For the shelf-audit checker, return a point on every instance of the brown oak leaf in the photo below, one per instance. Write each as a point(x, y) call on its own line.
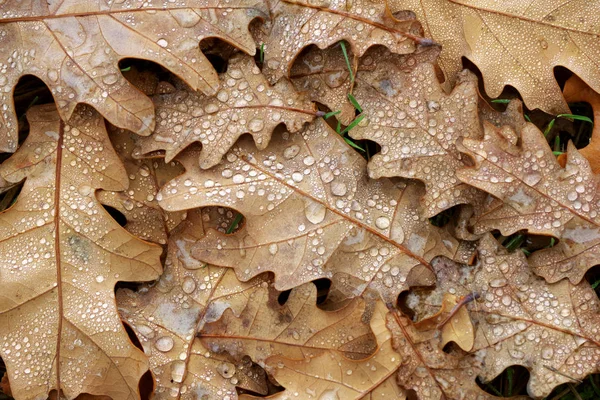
point(311, 212)
point(62, 255)
point(75, 47)
point(417, 126)
point(167, 317)
point(516, 43)
point(538, 195)
point(245, 103)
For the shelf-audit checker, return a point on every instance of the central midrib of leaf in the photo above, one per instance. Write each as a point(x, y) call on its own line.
point(57, 189)
point(36, 18)
point(342, 215)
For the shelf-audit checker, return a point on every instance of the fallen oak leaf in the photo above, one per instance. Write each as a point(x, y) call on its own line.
point(145, 219)
point(515, 43)
point(324, 74)
point(549, 328)
point(297, 24)
point(245, 103)
point(538, 195)
point(63, 255)
point(417, 126)
point(311, 351)
point(75, 49)
point(167, 317)
point(312, 213)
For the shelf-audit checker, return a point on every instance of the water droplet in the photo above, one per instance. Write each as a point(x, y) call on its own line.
point(338, 188)
point(178, 371)
point(532, 178)
point(315, 212)
point(382, 222)
point(188, 285)
point(164, 343)
point(273, 248)
point(256, 125)
point(162, 43)
point(226, 370)
point(291, 152)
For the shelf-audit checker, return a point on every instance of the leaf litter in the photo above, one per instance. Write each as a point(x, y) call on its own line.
point(240, 200)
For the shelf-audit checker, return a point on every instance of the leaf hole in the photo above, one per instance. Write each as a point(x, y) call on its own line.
point(593, 277)
point(283, 297)
point(10, 195)
point(442, 219)
point(29, 91)
point(145, 75)
point(323, 285)
point(146, 386)
point(527, 243)
point(218, 52)
point(511, 382)
point(116, 214)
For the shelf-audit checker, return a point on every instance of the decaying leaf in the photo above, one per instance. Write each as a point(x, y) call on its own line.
point(417, 126)
point(540, 196)
point(576, 90)
point(245, 103)
point(145, 219)
point(325, 76)
point(311, 212)
point(311, 351)
point(516, 43)
point(167, 317)
point(428, 370)
point(297, 24)
point(75, 47)
point(549, 328)
point(62, 255)
point(453, 321)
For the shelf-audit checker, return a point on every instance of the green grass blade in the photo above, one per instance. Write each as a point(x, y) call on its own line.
point(577, 117)
point(331, 114)
point(343, 45)
point(515, 242)
point(549, 127)
point(501, 101)
point(234, 223)
point(527, 118)
point(557, 153)
point(126, 69)
point(351, 143)
point(355, 103)
point(353, 124)
point(262, 53)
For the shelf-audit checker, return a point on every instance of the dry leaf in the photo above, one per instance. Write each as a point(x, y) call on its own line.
point(417, 126)
point(167, 317)
point(550, 329)
point(145, 219)
point(325, 76)
point(75, 47)
point(245, 103)
point(453, 321)
point(540, 196)
point(317, 353)
point(576, 90)
point(297, 24)
point(312, 213)
point(516, 43)
point(62, 256)
point(429, 371)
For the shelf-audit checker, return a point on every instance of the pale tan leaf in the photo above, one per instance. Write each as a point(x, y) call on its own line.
point(297, 24)
point(62, 255)
point(516, 43)
point(540, 196)
point(428, 370)
point(549, 328)
point(417, 126)
point(145, 219)
point(317, 353)
point(167, 317)
point(311, 212)
point(245, 103)
point(75, 47)
point(325, 76)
